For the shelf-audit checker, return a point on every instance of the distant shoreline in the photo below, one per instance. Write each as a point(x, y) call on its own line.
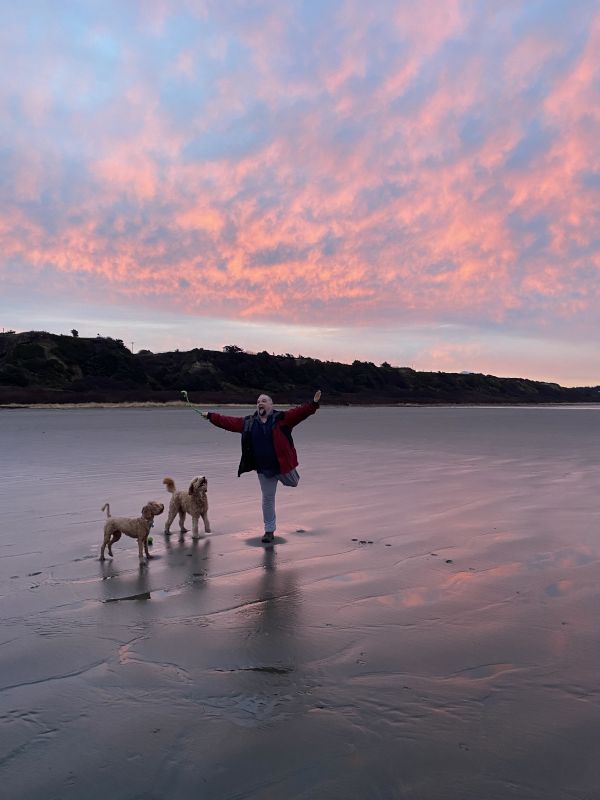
point(177, 404)
point(140, 404)
point(44, 370)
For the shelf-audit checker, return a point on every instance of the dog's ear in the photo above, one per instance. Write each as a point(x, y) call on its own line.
point(147, 511)
point(192, 486)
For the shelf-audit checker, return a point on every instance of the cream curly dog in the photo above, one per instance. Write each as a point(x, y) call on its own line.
point(193, 502)
point(136, 527)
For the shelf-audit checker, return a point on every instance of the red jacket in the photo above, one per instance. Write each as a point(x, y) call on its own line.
point(283, 443)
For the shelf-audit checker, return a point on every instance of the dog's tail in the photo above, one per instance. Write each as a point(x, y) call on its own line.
point(107, 507)
point(170, 484)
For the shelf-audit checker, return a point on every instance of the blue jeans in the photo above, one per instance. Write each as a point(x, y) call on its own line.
point(268, 487)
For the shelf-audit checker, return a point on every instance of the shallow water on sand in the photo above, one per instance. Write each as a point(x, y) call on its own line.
point(425, 626)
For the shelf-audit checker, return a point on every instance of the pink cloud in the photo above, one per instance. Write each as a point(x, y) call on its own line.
point(435, 184)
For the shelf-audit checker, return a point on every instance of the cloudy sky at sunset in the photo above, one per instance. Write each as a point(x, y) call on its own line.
point(416, 182)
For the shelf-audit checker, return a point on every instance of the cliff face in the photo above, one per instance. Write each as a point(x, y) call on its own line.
point(43, 360)
point(38, 367)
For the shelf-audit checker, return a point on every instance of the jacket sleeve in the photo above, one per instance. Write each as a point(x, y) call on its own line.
point(234, 424)
point(295, 415)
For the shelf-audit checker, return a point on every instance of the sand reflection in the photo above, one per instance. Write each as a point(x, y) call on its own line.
point(274, 615)
point(117, 585)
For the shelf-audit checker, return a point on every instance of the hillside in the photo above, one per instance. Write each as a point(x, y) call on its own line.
point(39, 367)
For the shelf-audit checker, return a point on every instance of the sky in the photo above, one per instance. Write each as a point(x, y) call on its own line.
point(410, 182)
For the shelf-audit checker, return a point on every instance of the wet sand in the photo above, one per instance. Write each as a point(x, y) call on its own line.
point(425, 626)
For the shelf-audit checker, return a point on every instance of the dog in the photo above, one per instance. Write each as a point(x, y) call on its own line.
point(193, 502)
point(136, 527)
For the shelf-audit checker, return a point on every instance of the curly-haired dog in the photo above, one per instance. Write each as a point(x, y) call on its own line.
point(193, 502)
point(136, 527)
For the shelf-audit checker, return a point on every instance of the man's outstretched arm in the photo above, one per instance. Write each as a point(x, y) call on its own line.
point(234, 424)
point(295, 415)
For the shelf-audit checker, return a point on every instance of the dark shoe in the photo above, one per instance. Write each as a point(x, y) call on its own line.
point(268, 537)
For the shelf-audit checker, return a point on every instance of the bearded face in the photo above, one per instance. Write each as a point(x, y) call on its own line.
point(264, 406)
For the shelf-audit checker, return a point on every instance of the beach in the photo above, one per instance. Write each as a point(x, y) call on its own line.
point(425, 625)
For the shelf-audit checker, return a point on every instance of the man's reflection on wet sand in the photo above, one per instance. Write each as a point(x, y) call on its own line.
point(273, 617)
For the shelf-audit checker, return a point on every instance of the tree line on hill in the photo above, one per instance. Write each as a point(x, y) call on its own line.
point(40, 367)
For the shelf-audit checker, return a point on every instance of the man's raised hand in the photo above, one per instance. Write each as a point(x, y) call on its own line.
point(317, 396)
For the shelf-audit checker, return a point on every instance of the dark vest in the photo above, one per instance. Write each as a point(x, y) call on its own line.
point(248, 461)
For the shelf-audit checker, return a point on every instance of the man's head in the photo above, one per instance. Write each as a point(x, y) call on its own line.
point(264, 405)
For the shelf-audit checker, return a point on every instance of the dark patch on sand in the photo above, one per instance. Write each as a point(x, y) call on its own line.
point(259, 543)
point(269, 669)
point(140, 596)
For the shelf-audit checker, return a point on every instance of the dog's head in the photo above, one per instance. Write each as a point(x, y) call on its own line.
point(199, 485)
point(152, 509)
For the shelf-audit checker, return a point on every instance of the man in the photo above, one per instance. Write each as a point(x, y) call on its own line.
point(268, 448)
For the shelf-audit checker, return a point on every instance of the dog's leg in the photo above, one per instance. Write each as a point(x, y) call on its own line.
point(114, 536)
point(206, 522)
point(106, 542)
point(141, 549)
point(195, 534)
point(170, 518)
point(146, 547)
point(182, 527)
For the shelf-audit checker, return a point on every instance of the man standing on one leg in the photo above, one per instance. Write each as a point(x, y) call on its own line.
point(268, 448)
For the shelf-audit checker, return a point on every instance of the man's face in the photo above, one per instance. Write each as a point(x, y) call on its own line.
point(264, 405)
